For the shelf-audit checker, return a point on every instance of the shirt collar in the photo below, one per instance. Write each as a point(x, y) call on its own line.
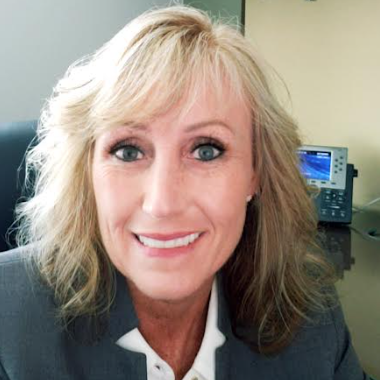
point(213, 338)
point(204, 362)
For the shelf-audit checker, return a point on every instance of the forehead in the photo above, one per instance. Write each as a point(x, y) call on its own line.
point(210, 103)
point(196, 101)
point(225, 115)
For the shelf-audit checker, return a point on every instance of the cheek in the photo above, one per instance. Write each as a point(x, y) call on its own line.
point(113, 200)
point(226, 209)
point(226, 198)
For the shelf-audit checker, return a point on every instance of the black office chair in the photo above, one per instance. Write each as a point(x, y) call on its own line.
point(14, 141)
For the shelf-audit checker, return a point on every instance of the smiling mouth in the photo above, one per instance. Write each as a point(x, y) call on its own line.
point(167, 244)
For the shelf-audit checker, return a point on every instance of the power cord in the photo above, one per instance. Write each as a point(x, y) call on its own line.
point(371, 234)
point(357, 210)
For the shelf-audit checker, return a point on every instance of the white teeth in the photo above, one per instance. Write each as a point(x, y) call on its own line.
point(181, 242)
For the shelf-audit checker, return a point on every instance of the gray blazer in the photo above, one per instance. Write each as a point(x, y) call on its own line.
point(34, 347)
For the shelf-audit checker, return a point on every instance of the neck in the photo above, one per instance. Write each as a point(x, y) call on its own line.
point(174, 329)
point(172, 316)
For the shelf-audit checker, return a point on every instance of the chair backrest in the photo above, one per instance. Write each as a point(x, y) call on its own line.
point(14, 140)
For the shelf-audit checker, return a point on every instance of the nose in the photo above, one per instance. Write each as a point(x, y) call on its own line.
point(164, 195)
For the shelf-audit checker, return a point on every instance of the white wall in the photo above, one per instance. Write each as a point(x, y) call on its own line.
point(39, 39)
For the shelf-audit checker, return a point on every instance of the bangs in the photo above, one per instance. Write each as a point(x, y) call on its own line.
point(159, 71)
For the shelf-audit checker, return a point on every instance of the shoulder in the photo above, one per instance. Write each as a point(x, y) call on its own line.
point(321, 348)
point(20, 281)
point(12, 256)
point(325, 344)
point(320, 329)
point(16, 272)
point(25, 301)
point(13, 268)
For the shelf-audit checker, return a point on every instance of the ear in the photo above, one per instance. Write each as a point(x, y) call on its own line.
point(254, 184)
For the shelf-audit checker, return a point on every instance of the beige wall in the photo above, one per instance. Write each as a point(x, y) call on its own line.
point(328, 53)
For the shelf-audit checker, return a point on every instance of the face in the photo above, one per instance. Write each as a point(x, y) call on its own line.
point(160, 185)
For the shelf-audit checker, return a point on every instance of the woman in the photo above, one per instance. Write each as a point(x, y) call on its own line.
point(170, 235)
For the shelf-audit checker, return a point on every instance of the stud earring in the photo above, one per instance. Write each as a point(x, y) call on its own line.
point(249, 198)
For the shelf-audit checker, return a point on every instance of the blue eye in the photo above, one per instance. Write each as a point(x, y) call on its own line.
point(208, 149)
point(128, 153)
point(208, 152)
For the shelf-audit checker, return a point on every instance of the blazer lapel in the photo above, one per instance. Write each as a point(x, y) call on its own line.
point(234, 359)
point(105, 359)
point(222, 354)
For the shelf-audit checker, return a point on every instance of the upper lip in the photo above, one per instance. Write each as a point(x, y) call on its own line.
point(160, 236)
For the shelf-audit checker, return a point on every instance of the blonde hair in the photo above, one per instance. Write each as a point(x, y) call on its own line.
point(275, 275)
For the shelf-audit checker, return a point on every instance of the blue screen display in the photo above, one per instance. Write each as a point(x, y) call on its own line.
point(315, 165)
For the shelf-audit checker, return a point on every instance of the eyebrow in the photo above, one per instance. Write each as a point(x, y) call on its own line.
point(189, 128)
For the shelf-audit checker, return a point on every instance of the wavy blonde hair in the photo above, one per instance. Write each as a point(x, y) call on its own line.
point(276, 274)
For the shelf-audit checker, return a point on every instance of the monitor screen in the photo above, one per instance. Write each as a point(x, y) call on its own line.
point(315, 164)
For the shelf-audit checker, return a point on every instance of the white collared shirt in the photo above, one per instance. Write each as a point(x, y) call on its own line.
point(203, 367)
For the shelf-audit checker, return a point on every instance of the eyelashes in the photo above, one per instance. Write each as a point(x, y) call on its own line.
point(205, 153)
point(122, 146)
point(130, 150)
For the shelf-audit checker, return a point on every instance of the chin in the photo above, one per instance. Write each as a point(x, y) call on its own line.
point(169, 289)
